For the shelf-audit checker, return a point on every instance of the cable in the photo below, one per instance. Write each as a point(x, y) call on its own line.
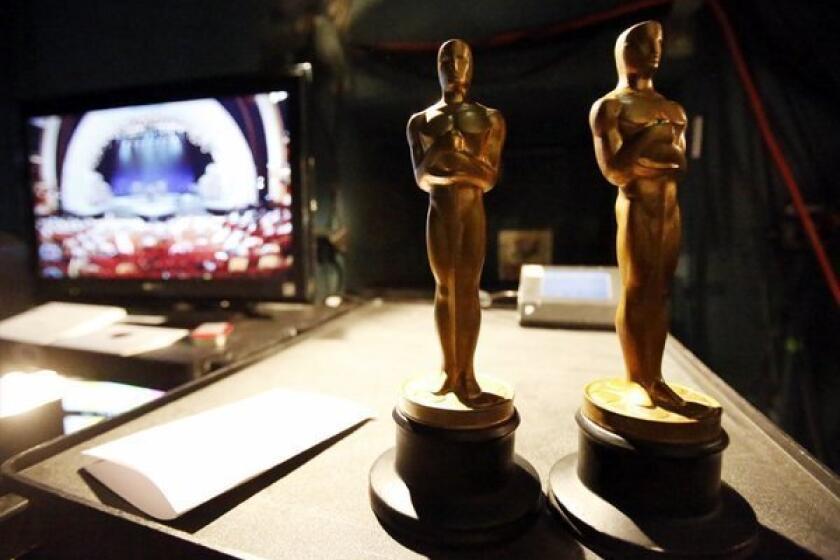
point(776, 153)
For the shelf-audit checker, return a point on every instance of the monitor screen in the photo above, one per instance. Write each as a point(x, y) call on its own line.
point(198, 190)
point(577, 285)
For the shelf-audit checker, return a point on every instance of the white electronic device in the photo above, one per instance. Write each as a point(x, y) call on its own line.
point(575, 296)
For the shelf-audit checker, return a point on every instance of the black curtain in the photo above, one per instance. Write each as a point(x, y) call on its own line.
point(754, 302)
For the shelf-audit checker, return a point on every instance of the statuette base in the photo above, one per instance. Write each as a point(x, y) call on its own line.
point(454, 487)
point(624, 407)
point(421, 402)
point(628, 499)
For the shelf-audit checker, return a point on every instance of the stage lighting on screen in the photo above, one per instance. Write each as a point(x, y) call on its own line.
point(195, 190)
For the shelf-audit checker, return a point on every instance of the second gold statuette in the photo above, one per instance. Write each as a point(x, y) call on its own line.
point(646, 480)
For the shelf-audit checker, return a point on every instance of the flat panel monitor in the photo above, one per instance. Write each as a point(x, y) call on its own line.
point(197, 193)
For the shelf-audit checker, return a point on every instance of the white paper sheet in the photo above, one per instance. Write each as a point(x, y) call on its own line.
point(124, 340)
point(53, 321)
point(167, 470)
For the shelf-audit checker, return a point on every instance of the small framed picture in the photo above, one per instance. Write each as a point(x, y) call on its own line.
point(523, 246)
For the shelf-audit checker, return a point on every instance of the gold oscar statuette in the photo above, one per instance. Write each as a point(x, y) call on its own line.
point(646, 480)
point(453, 477)
point(639, 138)
point(456, 147)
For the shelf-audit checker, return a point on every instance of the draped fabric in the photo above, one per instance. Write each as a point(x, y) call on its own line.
point(792, 55)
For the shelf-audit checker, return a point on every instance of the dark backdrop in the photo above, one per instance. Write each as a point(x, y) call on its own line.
point(748, 299)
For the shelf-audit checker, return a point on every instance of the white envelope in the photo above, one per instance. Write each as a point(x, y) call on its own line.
point(169, 469)
point(124, 339)
point(53, 321)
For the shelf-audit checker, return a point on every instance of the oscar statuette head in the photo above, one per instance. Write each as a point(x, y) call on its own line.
point(455, 69)
point(638, 51)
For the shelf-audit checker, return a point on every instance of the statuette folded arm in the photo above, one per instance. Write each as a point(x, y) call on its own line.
point(620, 158)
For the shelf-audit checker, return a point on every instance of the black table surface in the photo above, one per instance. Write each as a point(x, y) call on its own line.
point(316, 506)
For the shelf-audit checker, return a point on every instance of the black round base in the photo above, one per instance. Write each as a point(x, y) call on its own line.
point(630, 500)
point(480, 518)
point(729, 531)
point(416, 500)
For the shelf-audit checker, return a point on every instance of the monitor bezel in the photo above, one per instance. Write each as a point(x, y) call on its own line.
point(297, 81)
